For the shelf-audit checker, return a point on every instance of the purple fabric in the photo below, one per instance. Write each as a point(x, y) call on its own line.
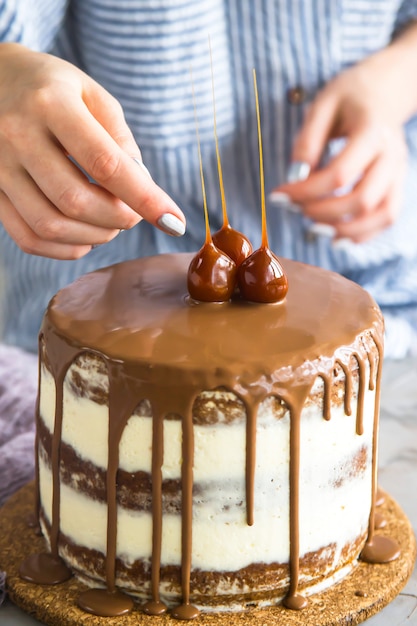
point(18, 388)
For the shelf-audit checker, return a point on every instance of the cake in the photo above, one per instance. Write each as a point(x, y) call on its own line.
point(206, 456)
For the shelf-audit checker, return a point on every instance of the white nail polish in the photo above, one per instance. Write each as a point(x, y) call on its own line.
point(171, 224)
point(277, 197)
point(324, 230)
point(284, 201)
point(298, 171)
point(142, 165)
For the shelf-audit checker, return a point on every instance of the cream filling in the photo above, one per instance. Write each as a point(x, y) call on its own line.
point(226, 546)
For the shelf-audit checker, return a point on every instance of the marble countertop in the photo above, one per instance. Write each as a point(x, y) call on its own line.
point(397, 476)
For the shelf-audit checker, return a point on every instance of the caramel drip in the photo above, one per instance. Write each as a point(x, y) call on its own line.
point(105, 603)
point(155, 606)
point(56, 484)
point(49, 568)
point(371, 527)
point(291, 599)
point(348, 387)
point(372, 372)
point(377, 549)
point(185, 610)
point(361, 394)
point(327, 383)
point(121, 407)
point(37, 419)
point(187, 504)
point(250, 464)
point(109, 602)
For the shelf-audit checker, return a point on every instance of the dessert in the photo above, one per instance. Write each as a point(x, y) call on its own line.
point(207, 456)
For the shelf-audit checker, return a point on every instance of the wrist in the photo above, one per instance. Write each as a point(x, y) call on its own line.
point(396, 65)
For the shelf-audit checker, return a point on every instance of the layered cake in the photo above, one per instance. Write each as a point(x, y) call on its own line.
point(207, 456)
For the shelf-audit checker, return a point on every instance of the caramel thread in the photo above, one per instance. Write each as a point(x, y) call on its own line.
point(200, 161)
point(216, 139)
point(265, 243)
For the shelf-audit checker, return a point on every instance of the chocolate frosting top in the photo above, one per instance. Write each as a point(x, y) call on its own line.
point(140, 311)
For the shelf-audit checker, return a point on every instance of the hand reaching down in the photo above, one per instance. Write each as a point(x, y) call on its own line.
point(50, 110)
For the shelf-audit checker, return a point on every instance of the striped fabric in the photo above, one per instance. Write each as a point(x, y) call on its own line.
point(142, 52)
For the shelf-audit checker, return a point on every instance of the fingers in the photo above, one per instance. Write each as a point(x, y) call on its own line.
point(343, 170)
point(65, 187)
point(311, 140)
point(358, 192)
point(363, 198)
point(85, 139)
point(29, 242)
point(367, 225)
point(48, 222)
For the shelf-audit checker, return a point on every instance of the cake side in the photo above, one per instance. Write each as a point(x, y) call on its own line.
point(245, 564)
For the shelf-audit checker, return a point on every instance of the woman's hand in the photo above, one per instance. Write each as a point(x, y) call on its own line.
point(50, 110)
point(367, 105)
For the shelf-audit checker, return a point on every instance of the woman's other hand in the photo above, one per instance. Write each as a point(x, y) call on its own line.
point(358, 192)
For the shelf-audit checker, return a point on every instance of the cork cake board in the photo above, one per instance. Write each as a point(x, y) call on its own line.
point(356, 598)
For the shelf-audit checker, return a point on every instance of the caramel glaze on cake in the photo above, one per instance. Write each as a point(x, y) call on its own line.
point(170, 360)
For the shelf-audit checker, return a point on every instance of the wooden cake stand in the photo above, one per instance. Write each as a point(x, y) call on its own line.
point(361, 594)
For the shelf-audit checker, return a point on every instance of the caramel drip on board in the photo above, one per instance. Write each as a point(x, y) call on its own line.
point(186, 610)
point(109, 602)
point(293, 599)
point(378, 549)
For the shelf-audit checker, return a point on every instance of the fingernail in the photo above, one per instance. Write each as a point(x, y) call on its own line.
point(322, 229)
point(171, 224)
point(277, 197)
point(142, 165)
point(284, 201)
point(298, 171)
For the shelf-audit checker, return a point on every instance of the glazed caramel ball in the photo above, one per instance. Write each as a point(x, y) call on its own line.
point(233, 243)
point(261, 277)
point(211, 275)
